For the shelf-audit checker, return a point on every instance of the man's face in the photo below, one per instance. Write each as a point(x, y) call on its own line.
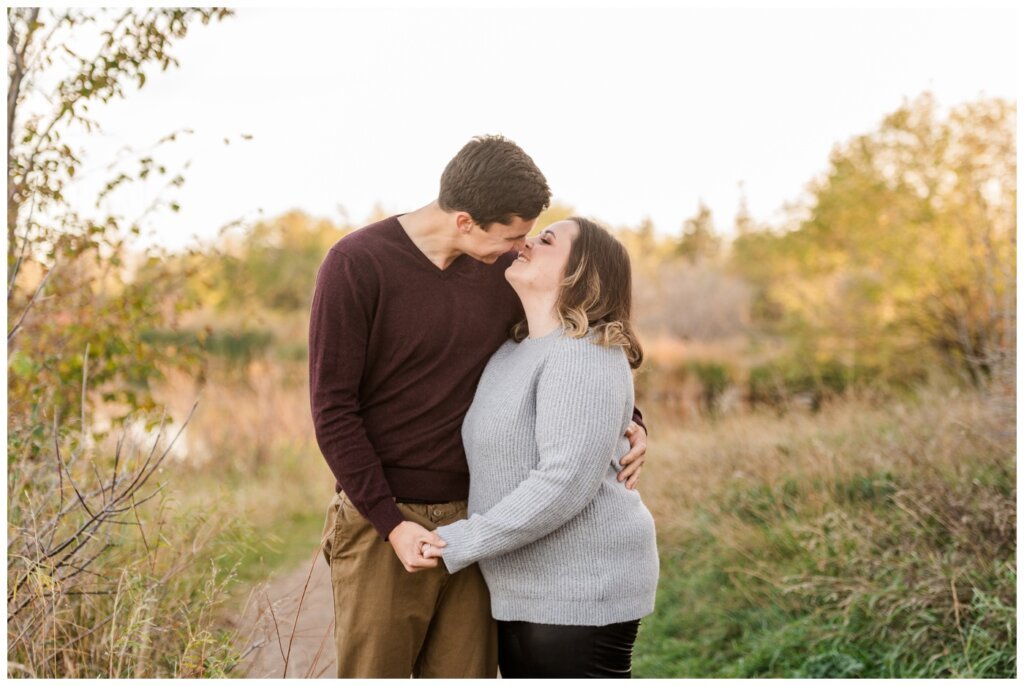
point(488, 246)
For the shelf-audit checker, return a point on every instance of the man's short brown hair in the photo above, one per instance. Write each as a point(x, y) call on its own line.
point(493, 180)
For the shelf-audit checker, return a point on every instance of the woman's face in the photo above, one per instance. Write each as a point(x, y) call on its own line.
point(540, 266)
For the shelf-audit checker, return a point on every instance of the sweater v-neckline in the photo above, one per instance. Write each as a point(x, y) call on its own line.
point(422, 257)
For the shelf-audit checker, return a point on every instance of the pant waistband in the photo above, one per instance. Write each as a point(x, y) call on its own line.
point(415, 501)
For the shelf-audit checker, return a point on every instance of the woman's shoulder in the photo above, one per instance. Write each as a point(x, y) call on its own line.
point(579, 368)
point(586, 351)
point(503, 351)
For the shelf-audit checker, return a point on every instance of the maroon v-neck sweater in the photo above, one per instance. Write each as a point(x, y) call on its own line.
point(396, 347)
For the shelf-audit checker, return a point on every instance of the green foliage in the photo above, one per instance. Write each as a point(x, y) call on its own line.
point(714, 378)
point(75, 303)
point(778, 381)
point(699, 240)
point(240, 347)
point(905, 572)
point(271, 267)
point(907, 245)
point(95, 587)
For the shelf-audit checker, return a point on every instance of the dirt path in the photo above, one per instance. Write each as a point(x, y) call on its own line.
point(268, 621)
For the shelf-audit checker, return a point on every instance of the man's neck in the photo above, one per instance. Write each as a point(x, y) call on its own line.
point(430, 228)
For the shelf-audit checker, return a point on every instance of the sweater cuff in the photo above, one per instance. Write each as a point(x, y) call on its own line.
point(456, 553)
point(384, 517)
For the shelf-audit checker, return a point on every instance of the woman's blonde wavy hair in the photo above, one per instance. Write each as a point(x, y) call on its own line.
point(597, 292)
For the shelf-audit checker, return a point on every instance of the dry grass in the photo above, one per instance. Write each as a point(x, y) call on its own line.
point(106, 577)
point(234, 501)
point(946, 435)
point(895, 521)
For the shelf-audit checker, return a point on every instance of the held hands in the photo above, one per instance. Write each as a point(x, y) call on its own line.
point(431, 550)
point(408, 539)
point(635, 458)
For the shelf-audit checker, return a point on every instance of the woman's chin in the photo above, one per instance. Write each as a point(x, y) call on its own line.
point(512, 272)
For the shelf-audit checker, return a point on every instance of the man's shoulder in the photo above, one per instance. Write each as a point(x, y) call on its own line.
point(367, 240)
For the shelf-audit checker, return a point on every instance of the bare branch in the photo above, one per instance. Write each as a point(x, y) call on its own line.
point(28, 306)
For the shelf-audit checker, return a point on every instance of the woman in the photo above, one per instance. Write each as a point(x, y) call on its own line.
point(569, 555)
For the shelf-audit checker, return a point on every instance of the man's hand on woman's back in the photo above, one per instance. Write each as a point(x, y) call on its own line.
point(635, 458)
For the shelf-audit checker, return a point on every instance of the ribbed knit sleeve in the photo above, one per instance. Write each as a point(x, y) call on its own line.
point(581, 396)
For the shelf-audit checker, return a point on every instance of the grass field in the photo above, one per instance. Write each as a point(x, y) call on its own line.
point(873, 538)
point(865, 541)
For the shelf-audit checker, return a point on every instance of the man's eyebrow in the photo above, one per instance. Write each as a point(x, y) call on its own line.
point(519, 238)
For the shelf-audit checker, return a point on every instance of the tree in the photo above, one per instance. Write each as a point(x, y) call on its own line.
point(908, 243)
point(69, 285)
point(273, 265)
point(77, 310)
point(743, 223)
point(699, 240)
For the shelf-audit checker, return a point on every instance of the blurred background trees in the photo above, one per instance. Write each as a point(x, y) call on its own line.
point(898, 265)
point(905, 258)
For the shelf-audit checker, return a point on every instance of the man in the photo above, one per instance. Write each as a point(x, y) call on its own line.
point(405, 315)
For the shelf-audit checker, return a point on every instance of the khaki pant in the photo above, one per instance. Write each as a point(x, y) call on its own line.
point(392, 623)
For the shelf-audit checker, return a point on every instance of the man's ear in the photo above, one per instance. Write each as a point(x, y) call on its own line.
point(464, 222)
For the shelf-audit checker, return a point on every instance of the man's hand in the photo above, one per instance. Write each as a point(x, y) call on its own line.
point(407, 539)
point(635, 458)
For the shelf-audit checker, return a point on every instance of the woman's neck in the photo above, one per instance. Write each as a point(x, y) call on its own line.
point(541, 317)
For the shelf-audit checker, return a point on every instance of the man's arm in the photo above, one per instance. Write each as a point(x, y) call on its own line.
point(339, 325)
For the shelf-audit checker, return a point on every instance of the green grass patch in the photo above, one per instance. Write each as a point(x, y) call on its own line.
point(261, 552)
point(868, 593)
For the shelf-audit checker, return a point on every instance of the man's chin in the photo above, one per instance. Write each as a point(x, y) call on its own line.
point(488, 259)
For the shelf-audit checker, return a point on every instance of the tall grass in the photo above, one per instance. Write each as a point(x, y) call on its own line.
point(866, 540)
point(873, 538)
point(152, 587)
point(106, 577)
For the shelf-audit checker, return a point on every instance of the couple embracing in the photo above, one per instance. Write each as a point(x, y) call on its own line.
point(472, 393)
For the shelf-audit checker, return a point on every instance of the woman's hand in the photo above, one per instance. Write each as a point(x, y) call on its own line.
point(432, 549)
point(407, 539)
point(635, 458)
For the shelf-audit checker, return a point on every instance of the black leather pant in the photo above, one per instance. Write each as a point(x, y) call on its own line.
point(528, 650)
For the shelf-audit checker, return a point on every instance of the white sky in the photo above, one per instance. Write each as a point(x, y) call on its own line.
point(629, 113)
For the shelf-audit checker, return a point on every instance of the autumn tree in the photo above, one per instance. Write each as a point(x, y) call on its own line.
point(699, 240)
point(908, 243)
point(76, 314)
point(73, 308)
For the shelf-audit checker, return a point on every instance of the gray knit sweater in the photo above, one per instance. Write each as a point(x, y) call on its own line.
point(558, 539)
